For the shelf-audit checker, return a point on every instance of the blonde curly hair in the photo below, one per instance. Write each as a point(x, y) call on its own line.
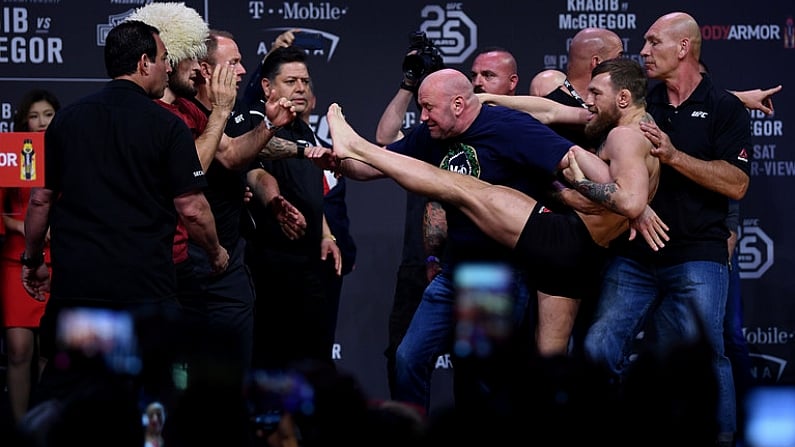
point(182, 30)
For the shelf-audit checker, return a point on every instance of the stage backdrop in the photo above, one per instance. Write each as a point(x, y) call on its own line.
point(58, 45)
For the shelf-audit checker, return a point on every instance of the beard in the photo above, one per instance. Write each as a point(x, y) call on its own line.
point(597, 128)
point(183, 89)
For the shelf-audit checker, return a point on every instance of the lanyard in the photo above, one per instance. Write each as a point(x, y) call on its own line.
point(574, 93)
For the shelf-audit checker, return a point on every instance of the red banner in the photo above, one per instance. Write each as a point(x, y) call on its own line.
point(22, 159)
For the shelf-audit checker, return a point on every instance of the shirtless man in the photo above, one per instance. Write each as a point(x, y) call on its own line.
point(622, 176)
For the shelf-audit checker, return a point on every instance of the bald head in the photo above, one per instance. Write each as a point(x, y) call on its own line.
point(449, 82)
point(672, 50)
point(681, 26)
point(591, 46)
point(448, 102)
point(504, 57)
point(494, 71)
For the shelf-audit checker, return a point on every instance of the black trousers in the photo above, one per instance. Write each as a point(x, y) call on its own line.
point(291, 311)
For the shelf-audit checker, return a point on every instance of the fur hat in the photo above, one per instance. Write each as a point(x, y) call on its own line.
point(182, 30)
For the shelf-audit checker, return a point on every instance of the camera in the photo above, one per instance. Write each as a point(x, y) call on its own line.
point(425, 61)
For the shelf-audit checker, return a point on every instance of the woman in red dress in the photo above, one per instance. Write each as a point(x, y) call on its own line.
point(21, 314)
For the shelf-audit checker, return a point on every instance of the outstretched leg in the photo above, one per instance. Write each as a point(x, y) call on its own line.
point(499, 211)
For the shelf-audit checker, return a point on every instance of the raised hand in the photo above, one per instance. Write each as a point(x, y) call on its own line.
point(223, 87)
point(279, 110)
point(758, 99)
point(285, 39)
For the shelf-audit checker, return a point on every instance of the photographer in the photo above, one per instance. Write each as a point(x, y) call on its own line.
point(422, 59)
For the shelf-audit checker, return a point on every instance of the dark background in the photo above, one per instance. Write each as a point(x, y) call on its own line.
point(360, 68)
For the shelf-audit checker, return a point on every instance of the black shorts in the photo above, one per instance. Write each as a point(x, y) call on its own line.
point(560, 256)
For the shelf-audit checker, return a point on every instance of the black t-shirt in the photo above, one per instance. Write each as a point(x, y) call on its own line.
point(503, 147)
point(301, 183)
point(115, 160)
point(226, 186)
point(711, 124)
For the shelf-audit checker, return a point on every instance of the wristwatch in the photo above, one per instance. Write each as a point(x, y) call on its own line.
point(273, 128)
point(300, 147)
point(31, 262)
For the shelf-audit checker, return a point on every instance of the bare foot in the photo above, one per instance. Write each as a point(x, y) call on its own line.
point(342, 134)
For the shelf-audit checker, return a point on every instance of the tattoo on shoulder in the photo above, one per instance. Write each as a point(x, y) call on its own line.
point(647, 119)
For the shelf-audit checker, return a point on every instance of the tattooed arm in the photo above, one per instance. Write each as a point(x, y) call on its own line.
point(434, 236)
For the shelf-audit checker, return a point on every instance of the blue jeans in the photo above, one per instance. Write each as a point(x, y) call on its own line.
point(734, 340)
point(431, 334)
point(685, 301)
point(733, 337)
